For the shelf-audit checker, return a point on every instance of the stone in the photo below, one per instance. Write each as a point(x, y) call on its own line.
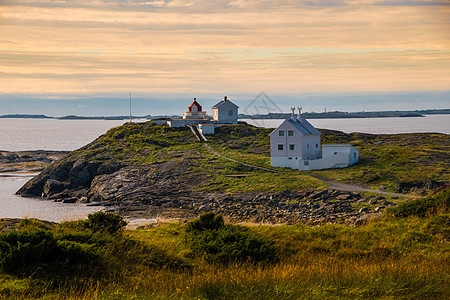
point(364, 210)
point(53, 186)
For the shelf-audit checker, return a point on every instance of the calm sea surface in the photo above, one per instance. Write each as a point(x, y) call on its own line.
point(12, 206)
point(43, 134)
point(429, 123)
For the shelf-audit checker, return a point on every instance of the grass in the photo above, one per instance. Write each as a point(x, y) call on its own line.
point(387, 258)
point(387, 161)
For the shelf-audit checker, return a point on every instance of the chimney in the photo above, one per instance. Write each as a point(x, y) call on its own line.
point(299, 116)
point(195, 99)
point(225, 98)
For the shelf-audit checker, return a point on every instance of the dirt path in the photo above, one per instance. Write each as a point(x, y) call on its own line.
point(334, 185)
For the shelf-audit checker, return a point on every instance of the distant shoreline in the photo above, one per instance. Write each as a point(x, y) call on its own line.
point(313, 115)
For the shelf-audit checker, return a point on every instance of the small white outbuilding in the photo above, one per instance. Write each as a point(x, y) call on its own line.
point(225, 112)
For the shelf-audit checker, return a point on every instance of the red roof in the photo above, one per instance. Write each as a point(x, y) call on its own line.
point(199, 107)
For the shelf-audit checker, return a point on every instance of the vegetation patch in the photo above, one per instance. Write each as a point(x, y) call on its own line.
point(209, 237)
point(421, 207)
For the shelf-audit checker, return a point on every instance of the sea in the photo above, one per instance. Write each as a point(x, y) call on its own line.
point(68, 135)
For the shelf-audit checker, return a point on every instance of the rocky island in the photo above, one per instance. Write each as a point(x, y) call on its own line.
point(148, 170)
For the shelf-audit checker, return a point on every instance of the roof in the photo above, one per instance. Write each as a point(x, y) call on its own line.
point(199, 107)
point(302, 125)
point(222, 102)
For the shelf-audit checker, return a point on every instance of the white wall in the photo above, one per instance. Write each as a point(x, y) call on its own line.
point(301, 149)
point(183, 122)
point(351, 152)
point(311, 147)
point(223, 116)
point(206, 128)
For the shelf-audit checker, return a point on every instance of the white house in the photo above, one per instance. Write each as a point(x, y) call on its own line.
point(296, 144)
point(225, 112)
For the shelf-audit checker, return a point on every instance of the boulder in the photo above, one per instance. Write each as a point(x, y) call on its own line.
point(53, 186)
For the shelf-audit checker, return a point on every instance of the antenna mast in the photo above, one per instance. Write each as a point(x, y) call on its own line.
point(130, 109)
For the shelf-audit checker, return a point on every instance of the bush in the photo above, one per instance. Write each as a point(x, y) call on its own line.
point(105, 223)
point(219, 243)
point(206, 221)
point(422, 207)
point(22, 248)
point(23, 252)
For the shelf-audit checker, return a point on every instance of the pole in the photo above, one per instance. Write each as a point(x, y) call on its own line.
point(130, 109)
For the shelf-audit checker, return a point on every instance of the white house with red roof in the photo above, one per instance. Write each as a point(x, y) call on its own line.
point(195, 112)
point(296, 144)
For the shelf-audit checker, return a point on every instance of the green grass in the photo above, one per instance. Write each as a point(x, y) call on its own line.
point(387, 258)
point(388, 160)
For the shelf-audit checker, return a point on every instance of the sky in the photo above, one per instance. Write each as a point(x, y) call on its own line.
point(84, 57)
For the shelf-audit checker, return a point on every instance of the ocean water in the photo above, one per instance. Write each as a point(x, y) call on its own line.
point(12, 206)
point(51, 134)
point(429, 123)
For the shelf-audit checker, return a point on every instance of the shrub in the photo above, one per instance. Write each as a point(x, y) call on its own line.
point(206, 221)
point(105, 223)
point(22, 248)
point(219, 243)
point(422, 207)
point(25, 251)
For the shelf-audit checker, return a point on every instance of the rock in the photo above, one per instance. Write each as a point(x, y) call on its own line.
point(53, 186)
point(364, 210)
point(205, 208)
point(70, 200)
point(373, 201)
point(83, 199)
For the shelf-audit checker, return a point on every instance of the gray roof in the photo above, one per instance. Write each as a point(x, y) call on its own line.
point(222, 102)
point(304, 126)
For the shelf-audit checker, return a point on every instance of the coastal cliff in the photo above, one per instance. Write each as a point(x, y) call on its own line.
point(147, 170)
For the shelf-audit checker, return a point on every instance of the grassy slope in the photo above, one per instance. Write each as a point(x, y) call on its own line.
point(385, 160)
point(388, 258)
point(147, 143)
point(388, 160)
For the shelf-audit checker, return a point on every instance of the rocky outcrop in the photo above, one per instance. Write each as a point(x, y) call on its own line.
point(27, 161)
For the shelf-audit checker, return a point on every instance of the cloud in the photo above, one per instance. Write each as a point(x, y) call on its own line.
point(240, 46)
point(411, 3)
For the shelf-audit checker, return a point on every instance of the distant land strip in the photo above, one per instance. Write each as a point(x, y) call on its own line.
point(310, 115)
point(340, 114)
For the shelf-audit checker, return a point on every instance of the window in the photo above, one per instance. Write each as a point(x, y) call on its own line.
point(291, 147)
point(307, 146)
point(290, 157)
point(306, 163)
point(317, 145)
point(230, 112)
point(281, 133)
point(354, 155)
point(280, 147)
point(290, 132)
